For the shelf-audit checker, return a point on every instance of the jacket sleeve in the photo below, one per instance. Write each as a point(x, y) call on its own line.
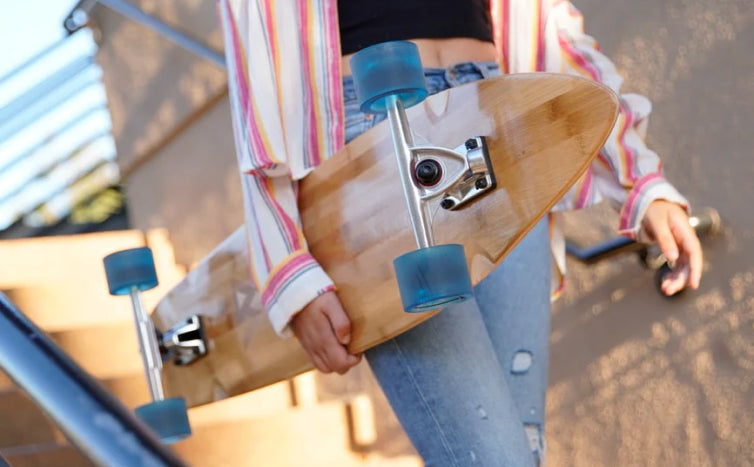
point(272, 107)
point(626, 172)
point(286, 274)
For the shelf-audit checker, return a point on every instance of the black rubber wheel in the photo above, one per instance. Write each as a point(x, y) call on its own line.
point(660, 275)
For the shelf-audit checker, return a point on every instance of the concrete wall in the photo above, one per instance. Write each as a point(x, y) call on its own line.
point(171, 123)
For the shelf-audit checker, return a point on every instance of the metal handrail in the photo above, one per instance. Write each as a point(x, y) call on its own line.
point(79, 15)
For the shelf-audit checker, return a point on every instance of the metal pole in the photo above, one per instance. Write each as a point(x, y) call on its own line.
point(402, 142)
point(192, 45)
point(92, 419)
point(150, 349)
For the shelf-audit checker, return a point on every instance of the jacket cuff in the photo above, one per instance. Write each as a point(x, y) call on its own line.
point(646, 190)
point(294, 283)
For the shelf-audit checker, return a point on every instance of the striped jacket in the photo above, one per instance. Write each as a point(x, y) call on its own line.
point(285, 86)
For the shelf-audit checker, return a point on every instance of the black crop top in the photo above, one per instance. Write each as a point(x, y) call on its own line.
point(367, 22)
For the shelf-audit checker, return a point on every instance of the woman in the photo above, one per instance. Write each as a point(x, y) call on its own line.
point(469, 384)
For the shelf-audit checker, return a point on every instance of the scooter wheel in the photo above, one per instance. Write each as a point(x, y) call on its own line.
point(660, 276)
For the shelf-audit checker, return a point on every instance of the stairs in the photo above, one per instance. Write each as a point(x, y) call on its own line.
point(310, 421)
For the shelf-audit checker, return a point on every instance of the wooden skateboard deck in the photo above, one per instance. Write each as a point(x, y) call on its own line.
point(542, 133)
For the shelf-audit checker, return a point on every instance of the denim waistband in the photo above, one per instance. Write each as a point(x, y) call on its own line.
point(439, 79)
point(464, 72)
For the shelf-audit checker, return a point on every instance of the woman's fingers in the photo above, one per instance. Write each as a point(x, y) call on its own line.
point(321, 328)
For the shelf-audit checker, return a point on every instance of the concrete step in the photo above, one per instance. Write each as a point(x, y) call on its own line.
point(45, 455)
point(29, 426)
point(60, 284)
point(46, 260)
point(105, 352)
point(251, 429)
point(5, 382)
point(266, 402)
point(311, 436)
point(23, 423)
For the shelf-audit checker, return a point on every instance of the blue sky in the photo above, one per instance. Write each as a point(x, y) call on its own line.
point(27, 27)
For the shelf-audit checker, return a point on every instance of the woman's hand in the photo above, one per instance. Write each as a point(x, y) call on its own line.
point(668, 224)
point(324, 331)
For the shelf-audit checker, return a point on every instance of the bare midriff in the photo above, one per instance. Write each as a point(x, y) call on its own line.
point(442, 53)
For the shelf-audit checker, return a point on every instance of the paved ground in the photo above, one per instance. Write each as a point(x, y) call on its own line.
point(636, 379)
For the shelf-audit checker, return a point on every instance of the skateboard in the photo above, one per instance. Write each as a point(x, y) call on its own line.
point(405, 219)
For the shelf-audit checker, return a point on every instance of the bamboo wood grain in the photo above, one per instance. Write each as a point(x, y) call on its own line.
point(542, 132)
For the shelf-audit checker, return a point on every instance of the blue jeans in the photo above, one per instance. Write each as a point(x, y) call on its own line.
point(468, 385)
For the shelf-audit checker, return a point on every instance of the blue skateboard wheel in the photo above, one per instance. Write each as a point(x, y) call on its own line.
point(434, 277)
point(385, 69)
point(167, 418)
point(130, 268)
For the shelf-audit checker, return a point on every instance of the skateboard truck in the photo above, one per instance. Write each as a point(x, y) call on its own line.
point(477, 180)
point(456, 176)
point(129, 272)
point(184, 343)
point(389, 78)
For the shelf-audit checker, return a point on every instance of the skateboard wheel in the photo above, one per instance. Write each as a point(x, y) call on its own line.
point(130, 268)
point(660, 275)
point(434, 277)
point(167, 418)
point(385, 69)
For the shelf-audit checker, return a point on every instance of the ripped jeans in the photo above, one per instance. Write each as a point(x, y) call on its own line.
point(468, 385)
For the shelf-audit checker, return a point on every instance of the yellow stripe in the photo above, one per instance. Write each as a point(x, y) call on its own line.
point(281, 264)
point(621, 150)
point(535, 35)
point(276, 63)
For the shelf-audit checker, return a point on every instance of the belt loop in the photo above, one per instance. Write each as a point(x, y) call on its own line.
point(487, 69)
point(450, 76)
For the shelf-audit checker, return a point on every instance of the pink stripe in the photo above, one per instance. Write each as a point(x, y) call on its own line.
point(498, 14)
point(506, 33)
point(258, 153)
point(579, 58)
point(289, 230)
point(541, 39)
point(270, 27)
point(335, 83)
point(629, 209)
point(586, 190)
point(275, 283)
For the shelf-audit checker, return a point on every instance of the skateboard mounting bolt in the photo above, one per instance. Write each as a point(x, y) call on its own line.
point(428, 172)
point(471, 143)
point(447, 203)
point(481, 184)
